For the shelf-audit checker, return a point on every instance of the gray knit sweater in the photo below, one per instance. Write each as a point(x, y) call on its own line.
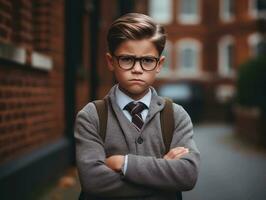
point(148, 175)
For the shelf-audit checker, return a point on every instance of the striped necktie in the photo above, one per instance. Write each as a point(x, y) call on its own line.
point(135, 110)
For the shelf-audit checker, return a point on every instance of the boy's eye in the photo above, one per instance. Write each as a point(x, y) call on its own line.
point(126, 59)
point(148, 60)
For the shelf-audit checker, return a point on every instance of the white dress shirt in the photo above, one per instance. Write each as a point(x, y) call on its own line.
point(122, 100)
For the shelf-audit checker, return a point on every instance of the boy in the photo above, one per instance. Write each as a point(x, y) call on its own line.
point(131, 163)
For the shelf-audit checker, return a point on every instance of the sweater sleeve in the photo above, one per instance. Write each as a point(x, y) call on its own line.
point(178, 175)
point(95, 177)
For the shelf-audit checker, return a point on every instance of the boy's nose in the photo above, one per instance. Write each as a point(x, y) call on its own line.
point(137, 67)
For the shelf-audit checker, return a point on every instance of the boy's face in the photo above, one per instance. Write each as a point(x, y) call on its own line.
point(135, 82)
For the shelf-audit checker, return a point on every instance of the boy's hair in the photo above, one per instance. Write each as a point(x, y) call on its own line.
point(135, 26)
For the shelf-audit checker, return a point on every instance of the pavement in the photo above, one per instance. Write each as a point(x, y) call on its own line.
point(65, 188)
point(230, 169)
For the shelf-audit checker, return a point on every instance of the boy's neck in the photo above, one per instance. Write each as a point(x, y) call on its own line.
point(133, 96)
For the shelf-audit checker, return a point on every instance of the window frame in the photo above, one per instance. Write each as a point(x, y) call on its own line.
point(196, 46)
point(185, 18)
point(169, 14)
point(253, 40)
point(253, 10)
point(223, 68)
point(224, 12)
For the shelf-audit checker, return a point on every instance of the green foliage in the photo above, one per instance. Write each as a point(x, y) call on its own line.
point(251, 84)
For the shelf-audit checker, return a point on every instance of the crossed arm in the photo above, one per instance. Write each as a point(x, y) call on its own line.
point(116, 162)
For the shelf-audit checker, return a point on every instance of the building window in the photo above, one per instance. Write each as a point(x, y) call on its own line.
point(189, 11)
point(257, 44)
point(161, 11)
point(188, 56)
point(258, 8)
point(28, 31)
point(227, 10)
point(226, 56)
point(167, 52)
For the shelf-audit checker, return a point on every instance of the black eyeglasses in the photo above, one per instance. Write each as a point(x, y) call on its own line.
point(127, 62)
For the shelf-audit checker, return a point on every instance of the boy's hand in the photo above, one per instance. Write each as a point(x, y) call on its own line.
point(115, 162)
point(176, 153)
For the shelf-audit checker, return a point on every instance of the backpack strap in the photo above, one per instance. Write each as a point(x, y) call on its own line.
point(166, 117)
point(167, 123)
point(102, 111)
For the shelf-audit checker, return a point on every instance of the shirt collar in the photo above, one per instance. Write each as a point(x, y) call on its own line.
point(122, 99)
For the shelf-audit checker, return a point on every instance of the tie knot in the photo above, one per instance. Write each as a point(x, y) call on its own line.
point(135, 108)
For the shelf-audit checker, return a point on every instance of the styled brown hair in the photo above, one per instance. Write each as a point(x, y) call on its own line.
point(135, 26)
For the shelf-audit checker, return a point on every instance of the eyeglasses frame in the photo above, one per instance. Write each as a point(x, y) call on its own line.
point(135, 60)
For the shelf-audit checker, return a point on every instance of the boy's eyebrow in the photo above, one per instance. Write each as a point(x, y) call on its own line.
point(126, 55)
point(148, 55)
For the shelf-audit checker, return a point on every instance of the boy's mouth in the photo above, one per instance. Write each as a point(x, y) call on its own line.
point(136, 80)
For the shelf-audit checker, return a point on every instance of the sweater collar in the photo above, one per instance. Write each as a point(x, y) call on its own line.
point(156, 104)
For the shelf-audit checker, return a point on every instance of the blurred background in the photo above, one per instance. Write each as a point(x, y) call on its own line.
point(52, 63)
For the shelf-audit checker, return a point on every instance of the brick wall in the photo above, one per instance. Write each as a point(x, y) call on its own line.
point(31, 100)
point(22, 23)
point(5, 20)
point(42, 24)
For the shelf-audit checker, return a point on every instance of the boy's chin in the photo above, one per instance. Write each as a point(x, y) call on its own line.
point(137, 92)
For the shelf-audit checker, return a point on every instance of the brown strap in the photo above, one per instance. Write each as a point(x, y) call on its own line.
point(167, 123)
point(166, 116)
point(102, 110)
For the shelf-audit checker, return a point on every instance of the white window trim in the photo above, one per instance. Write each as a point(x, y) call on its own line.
point(253, 11)
point(195, 45)
point(189, 19)
point(170, 15)
point(222, 68)
point(253, 40)
point(224, 16)
point(167, 71)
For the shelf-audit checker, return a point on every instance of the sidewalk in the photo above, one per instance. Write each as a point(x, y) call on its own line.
point(230, 168)
point(66, 188)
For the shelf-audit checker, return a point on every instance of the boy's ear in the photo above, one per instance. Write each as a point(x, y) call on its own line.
point(160, 64)
point(110, 61)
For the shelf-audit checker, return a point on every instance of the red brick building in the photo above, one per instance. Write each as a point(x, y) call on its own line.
point(208, 40)
point(48, 70)
point(32, 109)
point(32, 79)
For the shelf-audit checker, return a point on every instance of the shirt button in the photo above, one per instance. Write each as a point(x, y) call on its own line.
point(140, 140)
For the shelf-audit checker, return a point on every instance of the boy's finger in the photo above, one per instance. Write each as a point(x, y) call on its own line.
point(176, 154)
point(178, 151)
point(181, 154)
